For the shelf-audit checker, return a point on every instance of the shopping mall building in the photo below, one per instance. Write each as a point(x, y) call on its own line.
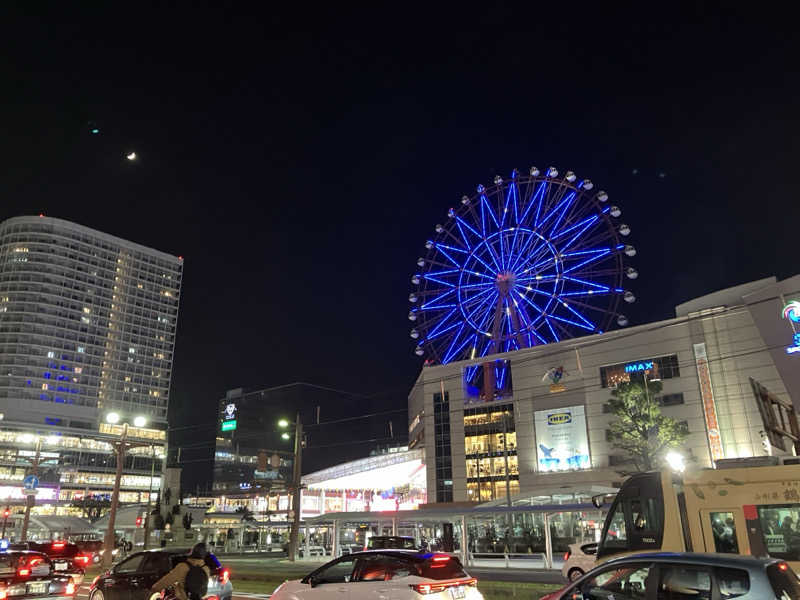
point(87, 328)
point(727, 364)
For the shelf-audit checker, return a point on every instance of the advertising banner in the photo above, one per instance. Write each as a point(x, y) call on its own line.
point(561, 440)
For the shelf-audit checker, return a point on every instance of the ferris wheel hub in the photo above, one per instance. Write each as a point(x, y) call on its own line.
point(505, 282)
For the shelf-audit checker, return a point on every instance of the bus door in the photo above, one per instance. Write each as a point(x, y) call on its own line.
point(724, 531)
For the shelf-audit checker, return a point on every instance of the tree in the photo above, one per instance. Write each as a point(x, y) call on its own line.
point(640, 430)
point(247, 514)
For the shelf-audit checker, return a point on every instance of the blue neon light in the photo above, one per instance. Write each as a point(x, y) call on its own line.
point(517, 243)
point(637, 367)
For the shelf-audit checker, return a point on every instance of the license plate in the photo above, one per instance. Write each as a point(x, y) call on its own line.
point(61, 566)
point(458, 592)
point(39, 587)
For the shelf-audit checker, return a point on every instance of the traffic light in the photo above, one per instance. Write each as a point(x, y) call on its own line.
point(138, 521)
point(7, 512)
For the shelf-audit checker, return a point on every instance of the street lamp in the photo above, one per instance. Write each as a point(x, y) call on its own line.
point(119, 447)
point(675, 461)
point(296, 480)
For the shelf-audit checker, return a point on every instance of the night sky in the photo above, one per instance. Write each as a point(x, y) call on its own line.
point(299, 167)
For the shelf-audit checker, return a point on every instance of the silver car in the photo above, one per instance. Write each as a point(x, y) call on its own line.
point(685, 576)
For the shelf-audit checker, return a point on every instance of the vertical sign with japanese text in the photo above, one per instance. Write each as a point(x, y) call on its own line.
point(709, 407)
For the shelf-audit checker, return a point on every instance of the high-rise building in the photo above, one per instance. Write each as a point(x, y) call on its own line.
point(87, 328)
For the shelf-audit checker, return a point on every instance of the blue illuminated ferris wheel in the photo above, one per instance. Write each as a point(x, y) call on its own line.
point(533, 259)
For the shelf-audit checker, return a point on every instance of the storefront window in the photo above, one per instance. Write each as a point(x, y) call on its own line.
point(490, 443)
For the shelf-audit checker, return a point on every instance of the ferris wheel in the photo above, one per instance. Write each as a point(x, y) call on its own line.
point(533, 259)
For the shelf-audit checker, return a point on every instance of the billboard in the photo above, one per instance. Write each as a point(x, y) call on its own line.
point(561, 440)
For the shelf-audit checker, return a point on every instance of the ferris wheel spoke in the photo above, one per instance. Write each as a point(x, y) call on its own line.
point(484, 209)
point(534, 246)
point(589, 283)
point(447, 256)
point(571, 322)
point(440, 332)
point(536, 200)
point(581, 227)
point(550, 327)
point(451, 351)
point(447, 283)
point(480, 260)
point(430, 305)
point(558, 210)
point(589, 260)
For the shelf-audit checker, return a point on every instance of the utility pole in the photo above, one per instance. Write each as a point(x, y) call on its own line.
point(148, 516)
point(296, 481)
point(111, 538)
point(31, 498)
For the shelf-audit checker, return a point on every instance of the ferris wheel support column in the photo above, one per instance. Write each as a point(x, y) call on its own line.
point(489, 381)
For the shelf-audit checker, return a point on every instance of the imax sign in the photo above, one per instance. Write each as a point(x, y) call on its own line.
point(636, 367)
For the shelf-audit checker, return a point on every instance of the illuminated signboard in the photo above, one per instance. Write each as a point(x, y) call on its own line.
point(796, 347)
point(637, 367)
point(791, 312)
point(561, 440)
point(229, 417)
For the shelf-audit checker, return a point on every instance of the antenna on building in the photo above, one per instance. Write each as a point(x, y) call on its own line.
point(391, 430)
point(318, 409)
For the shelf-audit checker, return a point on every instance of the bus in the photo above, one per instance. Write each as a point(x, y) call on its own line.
point(744, 506)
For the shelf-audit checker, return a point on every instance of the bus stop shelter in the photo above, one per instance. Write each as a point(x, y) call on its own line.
point(530, 532)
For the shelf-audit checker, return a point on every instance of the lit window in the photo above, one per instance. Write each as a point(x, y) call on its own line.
point(127, 378)
point(81, 349)
point(79, 369)
point(85, 320)
point(87, 310)
point(51, 354)
point(45, 386)
point(132, 350)
point(20, 249)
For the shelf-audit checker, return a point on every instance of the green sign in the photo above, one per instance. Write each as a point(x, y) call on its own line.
point(228, 425)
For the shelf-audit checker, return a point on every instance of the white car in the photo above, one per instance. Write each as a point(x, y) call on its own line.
point(578, 560)
point(384, 575)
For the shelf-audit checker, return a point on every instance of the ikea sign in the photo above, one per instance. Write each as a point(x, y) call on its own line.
point(559, 418)
point(637, 367)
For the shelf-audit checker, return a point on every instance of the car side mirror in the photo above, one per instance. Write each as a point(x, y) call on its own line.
point(312, 582)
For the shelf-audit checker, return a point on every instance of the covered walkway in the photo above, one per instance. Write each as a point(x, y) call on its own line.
point(530, 532)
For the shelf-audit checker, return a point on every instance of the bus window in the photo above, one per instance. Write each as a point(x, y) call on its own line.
point(779, 526)
point(723, 526)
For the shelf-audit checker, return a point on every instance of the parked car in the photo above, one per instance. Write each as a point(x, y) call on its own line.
point(388, 542)
point(385, 574)
point(65, 556)
point(31, 574)
point(313, 550)
point(131, 578)
point(684, 576)
point(578, 560)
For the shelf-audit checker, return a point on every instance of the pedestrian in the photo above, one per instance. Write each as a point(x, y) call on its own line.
point(189, 578)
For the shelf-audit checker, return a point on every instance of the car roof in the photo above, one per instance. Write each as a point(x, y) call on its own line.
point(400, 553)
point(701, 558)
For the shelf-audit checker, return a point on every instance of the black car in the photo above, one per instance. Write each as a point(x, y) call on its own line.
point(131, 578)
point(31, 574)
point(67, 557)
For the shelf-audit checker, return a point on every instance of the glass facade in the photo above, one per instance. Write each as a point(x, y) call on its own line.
point(87, 326)
point(490, 446)
point(443, 450)
point(663, 367)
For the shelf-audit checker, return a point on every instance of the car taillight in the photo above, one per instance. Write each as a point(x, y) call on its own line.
point(23, 572)
point(783, 566)
point(566, 555)
point(58, 545)
point(440, 586)
point(226, 576)
point(80, 558)
point(70, 588)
